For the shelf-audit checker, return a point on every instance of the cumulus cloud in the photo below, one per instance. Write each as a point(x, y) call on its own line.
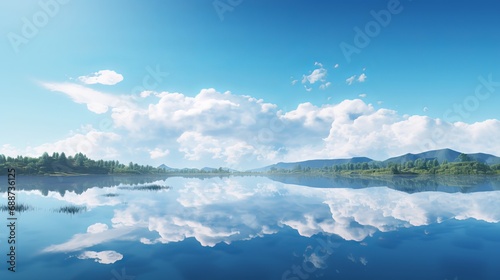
point(357, 129)
point(104, 77)
point(357, 214)
point(146, 93)
point(96, 228)
point(90, 198)
point(194, 145)
point(317, 75)
point(365, 129)
point(104, 257)
point(243, 131)
point(158, 153)
point(93, 143)
point(10, 150)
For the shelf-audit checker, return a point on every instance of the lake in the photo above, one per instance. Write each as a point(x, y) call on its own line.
point(254, 227)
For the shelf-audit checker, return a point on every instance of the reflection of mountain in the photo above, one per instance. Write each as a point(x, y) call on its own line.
point(225, 210)
point(409, 184)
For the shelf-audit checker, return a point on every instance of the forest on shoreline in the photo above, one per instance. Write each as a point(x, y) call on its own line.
point(417, 167)
point(80, 164)
point(60, 164)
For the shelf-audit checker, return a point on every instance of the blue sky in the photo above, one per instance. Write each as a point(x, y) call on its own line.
point(427, 77)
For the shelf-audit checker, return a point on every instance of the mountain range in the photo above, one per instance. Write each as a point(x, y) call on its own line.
point(204, 169)
point(441, 156)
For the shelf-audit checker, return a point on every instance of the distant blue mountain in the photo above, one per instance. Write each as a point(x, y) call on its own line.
point(441, 155)
point(163, 166)
point(444, 155)
point(211, 169)
point(315, 163)
point(204, 169)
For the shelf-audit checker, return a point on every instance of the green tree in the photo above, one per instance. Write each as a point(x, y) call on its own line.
point(62, 159)
point(463, 158)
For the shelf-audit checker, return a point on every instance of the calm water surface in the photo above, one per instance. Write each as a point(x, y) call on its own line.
point(105, 227)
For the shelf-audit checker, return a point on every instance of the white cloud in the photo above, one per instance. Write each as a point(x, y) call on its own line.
point(325, 85)
point(94, 144)
point(362, 78)
point(146, 93)
point(214, 128)
point(104, 257)
point(104, 77)
point(350, 80)
point(90, 198)
point(363, 131)
point(194, 145)
point(96, 101)
point(336, 66)
point(294, 82)
point(97, 227)
point(82, 241)
point(317, 75)
point(363, 95)
point(158, 153)
point(10, 150)
point(357, 214)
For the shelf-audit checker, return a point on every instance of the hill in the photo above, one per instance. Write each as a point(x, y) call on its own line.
point(316, 163)
point(442, 155)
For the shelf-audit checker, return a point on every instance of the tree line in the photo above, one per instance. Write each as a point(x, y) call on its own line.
point(59, 163)
point(463, 166)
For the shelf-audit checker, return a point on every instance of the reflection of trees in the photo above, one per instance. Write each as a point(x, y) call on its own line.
point(71, 209)
point(79, 184)
point(406, 183)
point(20, 207)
